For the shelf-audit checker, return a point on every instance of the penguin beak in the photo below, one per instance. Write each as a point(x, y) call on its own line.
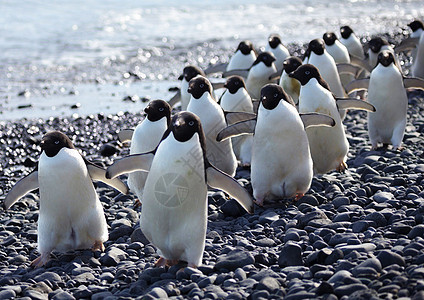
point(181, 77)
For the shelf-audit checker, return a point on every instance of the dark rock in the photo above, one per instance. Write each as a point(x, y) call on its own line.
point(290, 255)
point(108, 150)
point(349, 289)
point(112, 257)
point(63, 295)
point(324, 288)
point(268, 283)
point(234, 259)
point(388, 258)
point(232, 208)
point(416, 231)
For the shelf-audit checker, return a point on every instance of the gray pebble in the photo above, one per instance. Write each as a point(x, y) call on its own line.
point(234, 259)
point(387, 258)
point(290, 255)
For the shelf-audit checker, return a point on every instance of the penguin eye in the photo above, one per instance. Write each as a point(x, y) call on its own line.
point(201, 85)
point(307, 72)
point(275, 95)
point(191, 123)
point(57, 142)
point(161, 109)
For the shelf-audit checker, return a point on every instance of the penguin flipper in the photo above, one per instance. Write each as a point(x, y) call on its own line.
point(99, 174)
point(363, 63)
point(175, 99)
point(217, 85)
point(129, 164)
point(125, 136)
point(216, 68)
point(239, 116)
point(407, 44)
point(21, 188)
point(244, 127)
point(220, 180)
point(353, 103)
point(317, 119)
point(255, 103)
point(346, 68)
point(357, 85)
point(240, 72)
point(413, 83)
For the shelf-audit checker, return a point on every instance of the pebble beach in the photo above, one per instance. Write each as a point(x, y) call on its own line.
point(354, 235)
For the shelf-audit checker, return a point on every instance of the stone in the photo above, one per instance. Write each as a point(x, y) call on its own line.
point(234, 259)
point(112, 257)
point(290, 255)
point(388, 258)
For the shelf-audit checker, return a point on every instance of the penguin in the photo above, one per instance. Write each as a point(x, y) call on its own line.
point(146, 137)
point(375, 46)
point(320, 58)
point(174, 213)
point(182, 95)
point(386, 91)
point(417, 69)
point(328, 146)
point(351, 42)
point(417, 27)
point(411, 42)
point(213, 120)
point(236, 99)
point(281, 160)
point(339, 53)
point(262, 70)
point(290, 85)
point(71, 215)
point(242, 59)
point(276, 47)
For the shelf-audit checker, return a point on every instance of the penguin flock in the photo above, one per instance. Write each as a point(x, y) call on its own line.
point(280, 115)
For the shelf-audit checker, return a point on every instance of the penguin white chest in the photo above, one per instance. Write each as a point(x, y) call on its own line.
point(174, 212)
point(71, 216)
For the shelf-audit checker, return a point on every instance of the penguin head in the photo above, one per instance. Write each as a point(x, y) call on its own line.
point(376, 43)
point(329, 38)
point(184, 125)
point(274, 40)
point(306, 72)
point(272, 94)
point(415, 25)
point(291, 63)
point(234, 83)
point(317, 46)
point(245, 47)
point(157, 109)
point(346, 31)
point(385, 58)
point(190, 72)
point(54, 141)
point(198, 86)
point(266, 57)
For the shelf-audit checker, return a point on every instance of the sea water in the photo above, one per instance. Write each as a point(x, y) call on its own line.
point(55, 54)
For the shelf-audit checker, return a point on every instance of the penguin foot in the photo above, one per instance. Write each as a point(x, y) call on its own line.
point(98, 246)
point(342, 167)
point(298, 196)
point(137, 203)
point(41, 260)
point(398, 148)
point(259, 202)
point(161, 262)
